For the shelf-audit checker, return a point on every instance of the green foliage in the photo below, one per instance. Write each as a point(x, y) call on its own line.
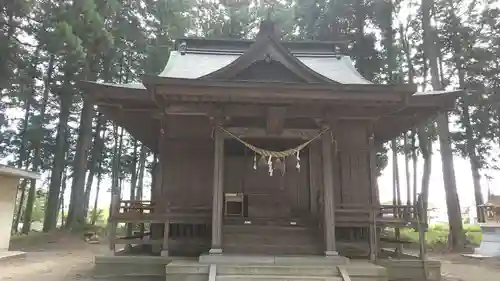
point(437, 235)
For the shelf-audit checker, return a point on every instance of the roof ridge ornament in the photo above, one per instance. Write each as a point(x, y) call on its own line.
point(183, 47)
point(268, 27)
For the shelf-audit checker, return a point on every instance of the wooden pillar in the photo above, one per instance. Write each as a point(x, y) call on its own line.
point(217, 196)
point(314, 178)
point(166, 230)
point(160, 202)
point(115, 210)
point(374, 198)
point(328, 195)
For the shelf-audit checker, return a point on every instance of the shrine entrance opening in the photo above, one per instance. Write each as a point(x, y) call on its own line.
point(266, 213)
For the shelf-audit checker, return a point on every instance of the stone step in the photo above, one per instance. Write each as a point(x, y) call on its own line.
point(287, 270)
point(266, 229)
point(310, 222)
point(275, 278)
point(186, 267)
point(293, 249)
point(269, 239)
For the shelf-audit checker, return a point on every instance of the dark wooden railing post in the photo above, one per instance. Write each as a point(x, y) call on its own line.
point(115, 210)
point(217, 198)
point(166, 231)
point(328, 194)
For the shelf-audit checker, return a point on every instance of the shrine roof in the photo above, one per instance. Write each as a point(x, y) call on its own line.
point(339, 68)
point(266, 70)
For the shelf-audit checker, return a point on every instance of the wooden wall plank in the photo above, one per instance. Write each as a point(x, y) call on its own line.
point(316, 177)
point(189, 173)
point(353, 161)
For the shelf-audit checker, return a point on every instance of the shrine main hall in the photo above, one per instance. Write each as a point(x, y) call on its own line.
point(266, 154)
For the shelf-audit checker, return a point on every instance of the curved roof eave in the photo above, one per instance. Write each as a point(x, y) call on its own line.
point(333, 67)
point(267, 45)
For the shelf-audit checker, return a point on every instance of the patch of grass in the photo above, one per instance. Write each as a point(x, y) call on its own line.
point(437, 235)
point(472, 228)
point(30, 236)
point(474, 237)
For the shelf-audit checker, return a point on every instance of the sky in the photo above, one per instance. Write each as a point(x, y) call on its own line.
point(437, 197)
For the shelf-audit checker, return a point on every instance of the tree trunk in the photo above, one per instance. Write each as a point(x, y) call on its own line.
point(97, 150)
point(115, 169)
point(142, 166)
point(119, 175)
point(133, 183)
point(395, 174)
point(29, 208)
point(114, 165)
point(19, 213)
point(37, 144)
point(407, 169)
point(76, 215)
point(396, 195)
point(60, 205)
point(457, 239)
point(469, 132)
point(98, 189)
point(414, 164)
point(23, 157)
point(425, 145)
point(473, 157)
point(52, 205)
point(133, 178)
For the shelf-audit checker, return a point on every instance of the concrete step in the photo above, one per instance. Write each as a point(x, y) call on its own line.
point(250, 228)
point(283, 270)
point(289, 249)
point(187, 267)
point(237, 277)
point(309, 222)
point(269, 239)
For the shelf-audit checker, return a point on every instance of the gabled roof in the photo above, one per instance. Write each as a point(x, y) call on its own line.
point(338, 68)
point(224, 59)
point(267, 48)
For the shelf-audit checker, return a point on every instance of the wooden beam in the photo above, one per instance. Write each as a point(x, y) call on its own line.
point(275, 120)
point(262, 133)
point(292, 111)
point(373, 89)
point(274, 95)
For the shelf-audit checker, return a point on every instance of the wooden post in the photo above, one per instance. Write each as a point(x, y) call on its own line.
point(115, 209)
point(314, 163)
point(374, 198)
point(328, 195)
point(217, 196)
point(166, 231)
point(160, 204)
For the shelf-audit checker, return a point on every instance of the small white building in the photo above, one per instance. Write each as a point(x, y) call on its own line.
point(9, 181)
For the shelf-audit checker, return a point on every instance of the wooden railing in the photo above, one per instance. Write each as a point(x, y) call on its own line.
point(177, 223)
point(491, 213)
point(357, 215)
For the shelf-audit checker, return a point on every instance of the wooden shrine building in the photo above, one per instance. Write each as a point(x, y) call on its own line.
point(265, 147)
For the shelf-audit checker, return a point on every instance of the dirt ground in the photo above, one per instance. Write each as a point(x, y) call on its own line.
point(459, 268)
point(51, 257)
point(63, 257)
